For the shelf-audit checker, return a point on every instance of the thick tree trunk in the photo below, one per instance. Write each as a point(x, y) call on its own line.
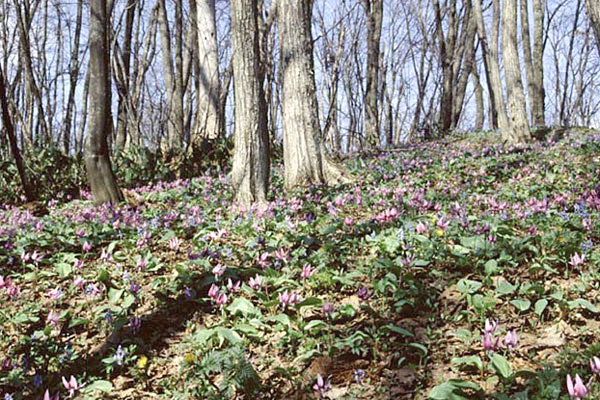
point(175, 121)
point(538, 103)
point(519, 126)
point(491, 56)
point(305, 160)
point(250, 173)
point(99, 171)
point(593, 10)
point(10, 131)
point(478, 89)
point(374, 11)
point(209, 115)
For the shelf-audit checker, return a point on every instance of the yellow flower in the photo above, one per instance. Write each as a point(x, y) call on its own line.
point(190, 358)
point(561, 239)
point(433, 220)
point(142, 362)
point(439, 232)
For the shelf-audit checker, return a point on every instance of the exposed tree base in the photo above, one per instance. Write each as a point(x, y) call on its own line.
point(102, 181)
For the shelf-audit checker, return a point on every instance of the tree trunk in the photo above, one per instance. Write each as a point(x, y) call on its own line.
point(250, 172)
point(519, 126)
point(209, 115)
point(538, 103)
point(175, 118)
point(73, 78)
point(99, 171)
point(7, 122)
point(123, 78)
point(305, 160)
point(593, 10)
point(374, 11)
point(478, 89)
point(490, 54)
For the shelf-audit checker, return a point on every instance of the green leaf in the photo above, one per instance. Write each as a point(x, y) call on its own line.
point(421, 263)
point(315, 324)
point(468, 286)
point(128, 300)
point(78, 321)
point(281, 319)
point(103, 386)
point(398, 330)
point(227, 334)
point(64, 269)
point(447, 390)
point(115, 294)
point(491, 267)
point(581, 303)
point(311, 301)
point(242, 306)
point(540, 306)
point(501, 365)
point(470, 360)
point(505, 288)
point(521, 304)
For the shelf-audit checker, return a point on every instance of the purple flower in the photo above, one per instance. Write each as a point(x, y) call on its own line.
point(71, 385)
point(328, 309)
point(359, 375)
point(233, 288)
point(321, 386)
point(213, 292)
point(55, 293)
point(256, 282)
point(218, 270)
point(364, 293)
point(307, 271)
point(488, 342)
point(595, 365)
point(47, 396)
point(221, 299)
point(53, 318)
point(120, 355)
point(490, 325)
point(287, 299)
point(134, 325)
point(577, 260)
point(511, 340)
point(578, 390)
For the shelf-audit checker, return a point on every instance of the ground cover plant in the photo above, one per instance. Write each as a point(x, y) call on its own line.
point(455, 269)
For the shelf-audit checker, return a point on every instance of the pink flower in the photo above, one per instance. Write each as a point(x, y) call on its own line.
point(577, 391)
point(421, 228)
point(71, 385)
point(256, 282)
point(490, 325)
point(262, 260)
point(2, 282)
point(511, 340)
point(233, 287)
point(55, 293)
point(86, 246)
point(488, 342)
point(53, 318)
point(577, 259)
point(218, 270)
point(307, 271)
point(321, 386)
point(287, 299)
point(47, 396)
point(348, 221)
point(79, 282)
point(221, 299)
point(213, 292)
point(77, 263)
point(174, 243)
point(595, 365)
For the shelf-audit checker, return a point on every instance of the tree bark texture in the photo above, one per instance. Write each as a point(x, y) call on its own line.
point(593, 11)
point(250, 173)
point(518, 132)
point(209, 114)
point(374, 11)
point(99, 170)
point(305, 160)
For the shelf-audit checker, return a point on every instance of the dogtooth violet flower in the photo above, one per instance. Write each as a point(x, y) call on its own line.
point(578, 390)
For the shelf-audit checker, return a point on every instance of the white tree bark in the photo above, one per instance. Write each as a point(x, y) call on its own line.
point(208, 121)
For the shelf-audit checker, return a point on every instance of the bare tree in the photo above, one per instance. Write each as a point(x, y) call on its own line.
point(250, 173)
point(209, 115)
point(97, 160)
point(518, 131)
point(305, 159)
point(593, 10)
point(374, 11)
point(12, 139)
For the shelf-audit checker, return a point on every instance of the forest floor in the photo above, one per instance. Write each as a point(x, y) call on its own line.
point(381, 287)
